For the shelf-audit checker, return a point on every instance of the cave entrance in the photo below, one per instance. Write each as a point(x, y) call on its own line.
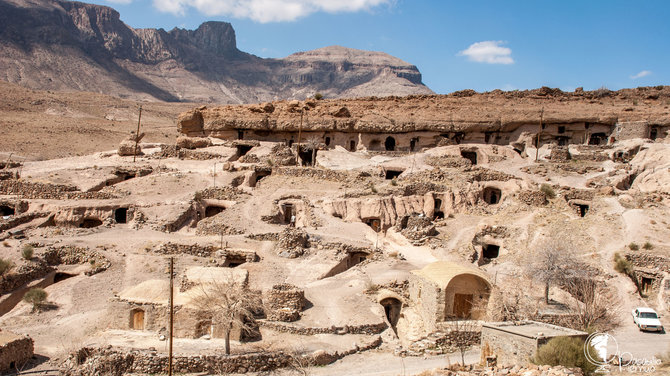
point(58, 277)
point(289, 213)
point(582, 209)
point(597, 139)
point(389, 143)
point(412, 143)
point(260, 175)
point(203, 328)
point(653, 133)
point(242, 150)
point(392, 174)
point(492, 195)
point(562, 140)
point(327, 141)
point(137, 319)
point(356, 258)
point(561, 129)
point(490, 251)
point(90, 223)
point(438, 209)
point(121, 215)
point(374, 223)
point(211, 211)
point(352, 145)
point(392, 308)
point(307, 156)
point(233, 261)
point(240, 135)
point(6, 210)
point(469, 155)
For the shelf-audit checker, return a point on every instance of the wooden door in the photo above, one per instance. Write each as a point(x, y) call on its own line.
point(138, 320)
point(462, 305)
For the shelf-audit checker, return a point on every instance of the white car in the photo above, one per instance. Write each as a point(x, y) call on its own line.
point(647, 319)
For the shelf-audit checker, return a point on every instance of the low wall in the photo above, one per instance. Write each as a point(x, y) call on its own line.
point(15, 352)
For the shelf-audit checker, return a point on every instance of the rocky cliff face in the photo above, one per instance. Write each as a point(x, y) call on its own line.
point(464, 111)
point(54, 44)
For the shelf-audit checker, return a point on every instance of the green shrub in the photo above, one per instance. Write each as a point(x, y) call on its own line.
point(633, 246)
point(548, 191)
point(622, 265)
point(567, 352)
point(648, 246)
point(27, 252)
point(318, 96)
point(5, 266)
point(394, 182)
point(36, 297)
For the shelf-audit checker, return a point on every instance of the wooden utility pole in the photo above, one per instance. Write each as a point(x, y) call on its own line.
point(171, 314)
point(300, 136)
point(537, 142)
point(137, 135)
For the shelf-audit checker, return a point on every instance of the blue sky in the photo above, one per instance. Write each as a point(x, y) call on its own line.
point(474, 44)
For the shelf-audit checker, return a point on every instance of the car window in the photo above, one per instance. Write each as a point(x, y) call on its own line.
point(648, 315)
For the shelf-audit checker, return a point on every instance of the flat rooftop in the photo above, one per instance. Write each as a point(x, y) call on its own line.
point(533, 329)
point(8, 337)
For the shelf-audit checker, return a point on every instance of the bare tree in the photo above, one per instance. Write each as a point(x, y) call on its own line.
point(553, 262)
point(463, 334)
point(510, 304)
point(230, 304)
point(597, 306)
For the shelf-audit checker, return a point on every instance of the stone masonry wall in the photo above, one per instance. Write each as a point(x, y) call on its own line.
point(14, 354)
point(284, 302)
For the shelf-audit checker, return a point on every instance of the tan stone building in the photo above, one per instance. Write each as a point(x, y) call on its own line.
point(443, 290)
point(145, 307)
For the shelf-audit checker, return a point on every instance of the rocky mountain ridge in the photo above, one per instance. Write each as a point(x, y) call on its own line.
point(69, 45)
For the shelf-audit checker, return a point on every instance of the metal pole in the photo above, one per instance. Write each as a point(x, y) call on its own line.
point(171, 314)
point(137, 135)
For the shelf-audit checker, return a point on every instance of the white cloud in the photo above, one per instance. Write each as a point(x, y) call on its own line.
point(643, 73)
point(266, 10)
point(489, 51)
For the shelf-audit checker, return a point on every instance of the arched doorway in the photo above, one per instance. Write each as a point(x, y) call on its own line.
point(392, 308)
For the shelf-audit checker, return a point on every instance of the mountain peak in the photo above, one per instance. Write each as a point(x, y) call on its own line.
point(66, 45)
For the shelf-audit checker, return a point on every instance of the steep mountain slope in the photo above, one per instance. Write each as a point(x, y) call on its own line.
point(67, 45)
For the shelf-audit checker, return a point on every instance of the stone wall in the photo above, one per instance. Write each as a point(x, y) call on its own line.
point(31, 190)
point(428, 300)
point(533, 198)
point(110, 362)
point(71, 255)
point(284, 302)
point(368, 329)
point(170, 248)
point(631, 129)
point(314, 173)
point(444, 342)
point(649, 261)
point(559, 154)
point(23, 274)
point(16, 220)
point(15, 351)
